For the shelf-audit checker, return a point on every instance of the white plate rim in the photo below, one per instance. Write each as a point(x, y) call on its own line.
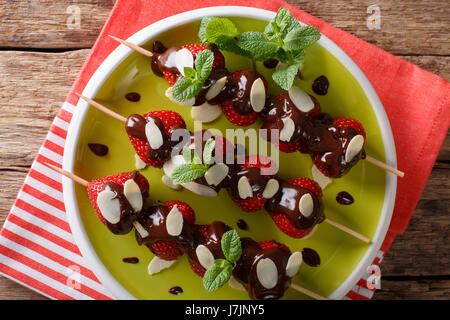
point(151, 31)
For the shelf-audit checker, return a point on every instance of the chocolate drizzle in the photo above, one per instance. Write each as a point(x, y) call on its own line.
point(344, 198)
point(176, 290)
point(311, 257)
point(153, 220)
point(132, 260)
point(98, 149)
point(321, 85)
point(133, 96)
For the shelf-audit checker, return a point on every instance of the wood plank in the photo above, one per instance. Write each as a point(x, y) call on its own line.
point(408, 27)
point(413, 289)
point(10, 290)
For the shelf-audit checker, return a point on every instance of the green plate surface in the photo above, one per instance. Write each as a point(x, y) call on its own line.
point(339, 252)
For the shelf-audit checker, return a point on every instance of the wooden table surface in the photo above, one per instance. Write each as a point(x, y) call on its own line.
point(40, 58)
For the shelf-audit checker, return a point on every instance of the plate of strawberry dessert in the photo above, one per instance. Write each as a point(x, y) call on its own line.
point(168, 173)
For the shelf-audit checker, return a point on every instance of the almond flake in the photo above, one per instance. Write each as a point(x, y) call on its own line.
point(215, 89)
point(183, 59)
point(157, 265)
point(109, 207)
point(271, 188)
point(293, 264)
point(244, 188)
point(174, 222)
point(204, 256)
point(153, 134)
point(306, 205)
point(133, 194)
point(301, 99)
point(206, 112)
point(267, 273)
point(288, 129)
point(354, 147)
point(258, 95)
point(215, 175)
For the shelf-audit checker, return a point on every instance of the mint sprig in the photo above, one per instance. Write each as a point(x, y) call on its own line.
point(284, 39)
point(190, 85)
point(220, 272)
point(193, 168)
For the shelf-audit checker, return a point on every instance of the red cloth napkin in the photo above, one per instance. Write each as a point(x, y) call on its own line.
point(36, 246)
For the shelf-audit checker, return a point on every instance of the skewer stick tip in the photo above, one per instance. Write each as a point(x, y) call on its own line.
point(67, 174)
point(102, 108)
point(384, 166)
point(307, 292)
point(133, 46)
point(348, 230)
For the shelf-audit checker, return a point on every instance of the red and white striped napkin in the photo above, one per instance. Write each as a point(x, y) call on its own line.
point(37, 248)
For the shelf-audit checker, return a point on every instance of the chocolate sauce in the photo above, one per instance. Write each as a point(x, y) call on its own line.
point(135, 127)
point(176, 290)
point(270, 63)
point(311, 257)
point(239, 87)
point(242, 224)
point(286, 202)
point(344, 198)
point(132, 260)
point(256, 180)
point(98, 149)
point(133, 96)
point(321, 85)
point(157, 47)
point(127, 214)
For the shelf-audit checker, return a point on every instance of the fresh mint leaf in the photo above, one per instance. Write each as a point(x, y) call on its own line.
point(217, 275)
point(285, 77)
point(231, 245)
point(300, 38)
point(190, 73)
point(202, 31)
point(187, 173)
point(203, 64)
point(231, 45)
point(258, 44)
point(218, 28)
point(282, 19)
point(208, 150)
point(185, 89)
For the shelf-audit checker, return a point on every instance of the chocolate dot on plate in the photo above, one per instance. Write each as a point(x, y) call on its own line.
point(98, 149)
point(270, 63)
point(321, 85)
point(311, 257)
point(344, 198)
point(132, 260)
point(176, 290)
point(242, 224)
point(133, 96)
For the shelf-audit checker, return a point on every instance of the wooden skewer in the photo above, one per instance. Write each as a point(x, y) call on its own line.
point(85, 183)
point(384, 166)
point(68, 174)
point(307, 292)
point(103, 108)
point(347, 229)
point(134, 47)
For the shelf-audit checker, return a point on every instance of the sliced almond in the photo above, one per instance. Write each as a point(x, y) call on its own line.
point(183, 59)
point(309, 235)
point(140, 229)
point(244, 188)
point(301, 99)
point(169, 183)
point(157, 265)
point(204, 256)
point(258, 95)
point(133, 194)
point(293, 264)
point(153, 134)
point(215, 89)
point(288, 129)
point(174, 222)
point(200, 189)
point(109, 207)
point(271, 188)
point(139, 163)
point(216, 174)
point(206, 112)
point(320, 178)
point(267, 273)
point(172, 163)
point(235, 284)
point(188, 103)
point(354, 147)
point(306, 205)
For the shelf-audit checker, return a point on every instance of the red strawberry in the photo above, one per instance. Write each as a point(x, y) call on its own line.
point(219, 60)
point(349, 122)
point(197, 268)
point(283, 222)
point(204, 230)
point(309, 184)
point(184, 208)
point(236, 118)
point(286, 226)
point(171, 121)
point(266, 245)
point(165, 250)
point(95, 186)
point(288, 147)
point(257, 202)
